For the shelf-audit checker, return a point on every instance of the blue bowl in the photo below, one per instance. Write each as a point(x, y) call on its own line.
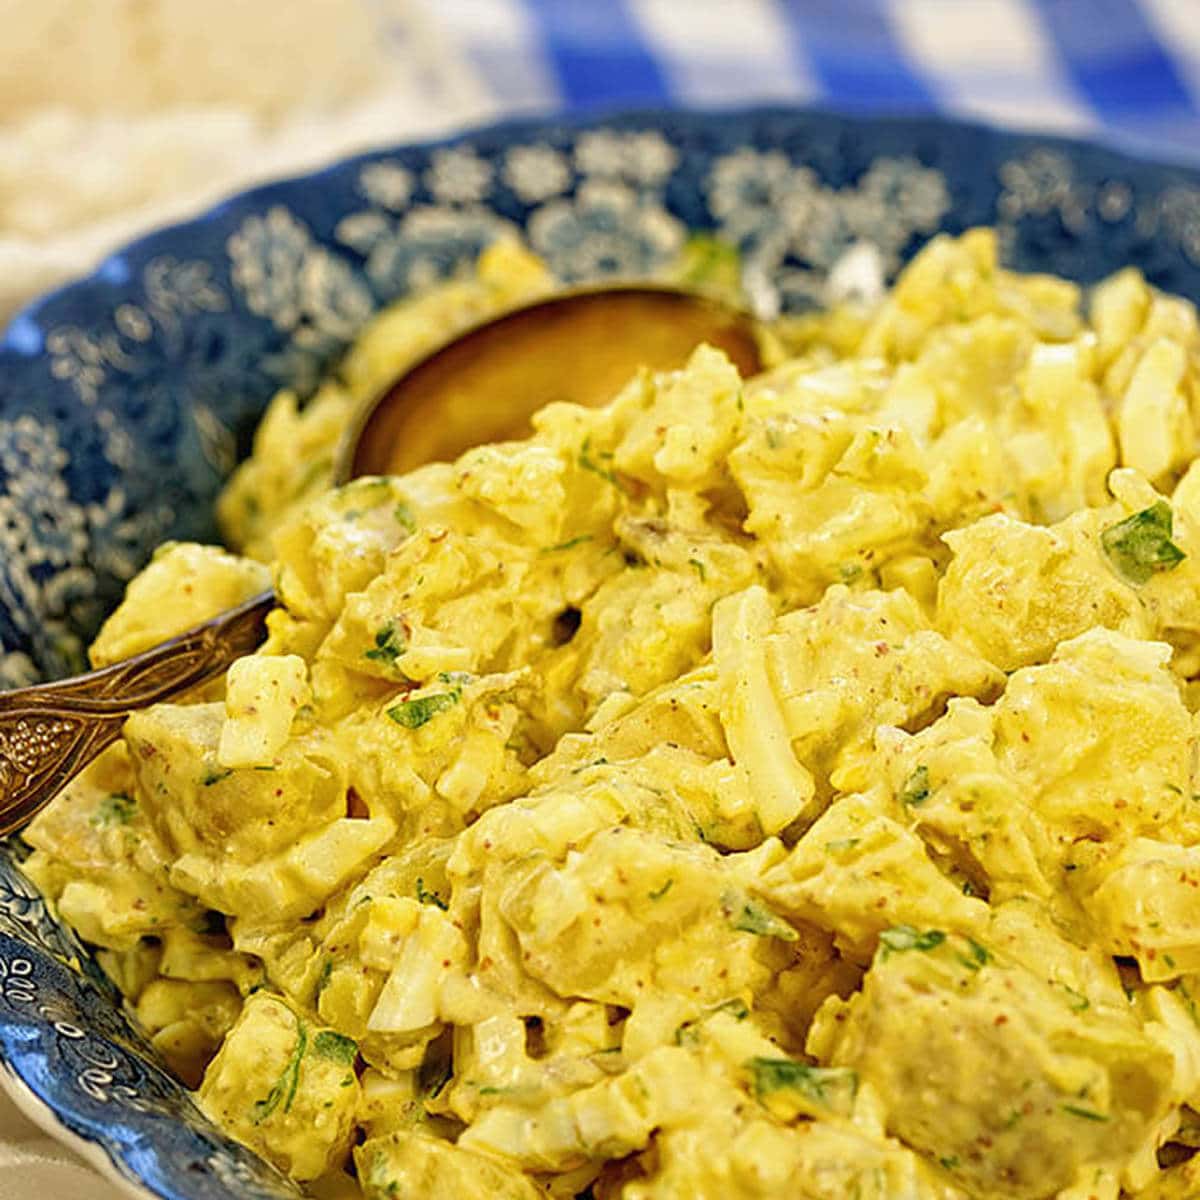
point(126, 399)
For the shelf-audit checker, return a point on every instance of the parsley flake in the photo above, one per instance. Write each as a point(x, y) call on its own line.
point(751, 917)
point(977, 956)
point(115, 809)
point(916, 788)
point(283, 1090)
point(588, 463)
point(323, 979)
point(831, 1088)
point(841, 845)
point(1086, 1113)
point(390, 643)
point(569, 544)
point(1141, 544)
point(403, 516)
point(904, 937)
point(412, 714)
point(336, 1047)
point(427, 897)
point(1076, 999)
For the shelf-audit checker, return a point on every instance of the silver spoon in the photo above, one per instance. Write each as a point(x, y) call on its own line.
point(580, 345)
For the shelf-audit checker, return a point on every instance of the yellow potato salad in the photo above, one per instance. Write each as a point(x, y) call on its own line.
point(760, 788)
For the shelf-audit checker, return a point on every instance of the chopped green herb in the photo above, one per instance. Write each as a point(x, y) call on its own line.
point(596, 762)
point(390, 643)
point(659, 893)
point(1169, 960)
point(336, 1046)
point(840, 845)
point(849, 572)
point(323, 979)
point(1189, 1002)
point(412, 714)
point(116, 809)
point(1086, 1113)
point(284, 1088)
point(904, 937)
point(977, 956)
point(1077, 1000)
point(570, 544)
point(948, 1161)
point(426, 897)
point(710, 262)
point(688, 1034)
point(700, 569)
point(916, 788)
point(215, 775)
point(379, 1176)
point(1141, 544)
point(588, 463)
point(832, 1088)
point(403, 515)
point(751, 917)
point(457, 678)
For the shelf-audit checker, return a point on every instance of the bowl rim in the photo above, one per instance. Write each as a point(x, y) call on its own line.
point(110, 271)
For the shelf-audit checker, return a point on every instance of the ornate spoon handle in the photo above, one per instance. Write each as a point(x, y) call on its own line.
point(50, 732)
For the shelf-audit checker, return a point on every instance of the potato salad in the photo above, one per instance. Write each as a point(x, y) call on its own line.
point(762, 788)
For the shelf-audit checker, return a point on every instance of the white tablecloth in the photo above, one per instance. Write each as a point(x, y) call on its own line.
point(34, 1165)
point(77, 180)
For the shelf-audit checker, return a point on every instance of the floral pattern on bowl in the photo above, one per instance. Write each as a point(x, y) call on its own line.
point(126, 398)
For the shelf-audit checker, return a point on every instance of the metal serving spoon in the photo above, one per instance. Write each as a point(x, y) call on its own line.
point(580, 345)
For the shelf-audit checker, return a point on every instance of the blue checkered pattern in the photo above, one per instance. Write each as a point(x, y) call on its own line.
point(1122, 71)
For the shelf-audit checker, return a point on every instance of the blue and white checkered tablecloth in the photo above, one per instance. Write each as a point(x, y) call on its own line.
point(1123, 71)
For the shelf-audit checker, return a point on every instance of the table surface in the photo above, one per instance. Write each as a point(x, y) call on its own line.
point(1122, 71)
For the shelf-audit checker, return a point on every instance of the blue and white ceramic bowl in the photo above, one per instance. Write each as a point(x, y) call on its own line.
point(126, 398)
